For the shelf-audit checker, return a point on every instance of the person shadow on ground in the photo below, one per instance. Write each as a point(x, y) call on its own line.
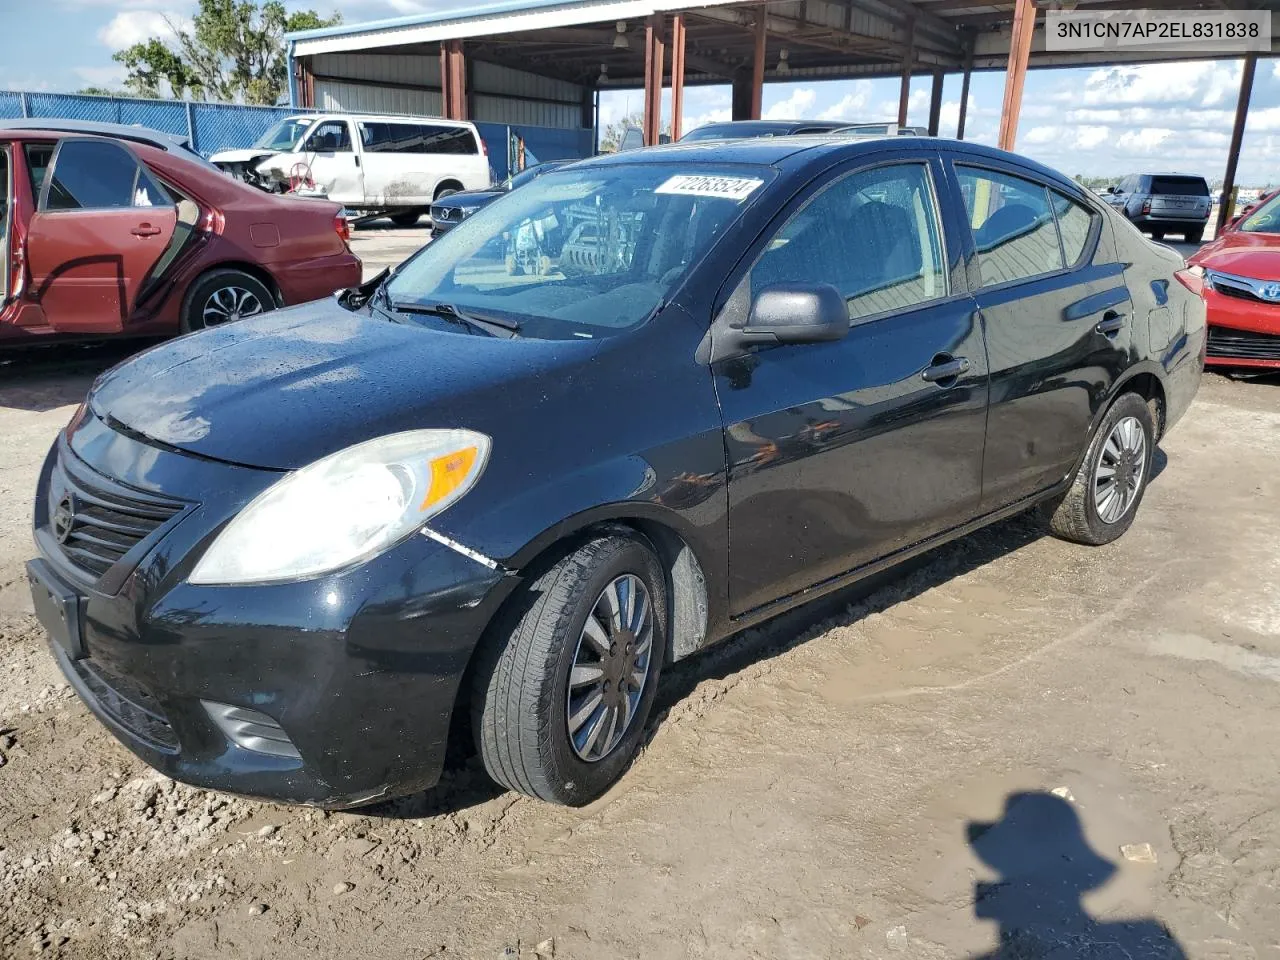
point(1046, 867)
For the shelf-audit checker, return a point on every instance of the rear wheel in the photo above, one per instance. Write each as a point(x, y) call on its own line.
point(566, 681)
point(406, 218)
point(221, 296)
point(1195, 236)
point(1108, 487)
point(1157, 234)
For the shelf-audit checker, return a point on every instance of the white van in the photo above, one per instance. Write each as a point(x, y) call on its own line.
point(370, 164)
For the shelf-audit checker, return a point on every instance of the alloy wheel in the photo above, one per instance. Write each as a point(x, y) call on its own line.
point(1120, 471)
point(230, 303)
point(610, 668)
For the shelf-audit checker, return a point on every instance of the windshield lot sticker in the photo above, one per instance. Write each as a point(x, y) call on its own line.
point(727, 188)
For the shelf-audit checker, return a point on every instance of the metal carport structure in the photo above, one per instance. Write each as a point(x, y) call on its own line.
point(549, 58)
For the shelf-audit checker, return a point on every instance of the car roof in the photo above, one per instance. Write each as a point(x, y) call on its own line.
point(386, 118)
point(60, 127)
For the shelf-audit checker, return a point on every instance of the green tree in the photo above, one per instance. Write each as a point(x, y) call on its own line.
point(611, 139)
point(234, 52)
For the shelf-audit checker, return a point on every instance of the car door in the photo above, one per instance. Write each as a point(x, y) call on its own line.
point(330, 153)
point(840, 453)
point(6, 215)
point(1056, 313)
point(101, 224)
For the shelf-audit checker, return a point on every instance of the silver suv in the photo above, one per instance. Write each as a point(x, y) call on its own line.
point(1163, 203)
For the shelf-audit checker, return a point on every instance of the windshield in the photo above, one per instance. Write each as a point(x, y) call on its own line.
point(1266, 219)
point(582, 252)
point(285, 134)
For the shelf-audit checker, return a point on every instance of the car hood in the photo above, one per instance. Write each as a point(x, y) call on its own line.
point(282, 390)
point(1255, 255)
point(469, 198)
point(241, 156)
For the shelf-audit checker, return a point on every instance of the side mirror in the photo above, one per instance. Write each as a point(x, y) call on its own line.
point(787, 313)
point(1111, 189)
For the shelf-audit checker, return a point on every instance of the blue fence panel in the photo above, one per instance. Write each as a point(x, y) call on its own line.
point(226, 126)
point(10, 105)
point(221, 126)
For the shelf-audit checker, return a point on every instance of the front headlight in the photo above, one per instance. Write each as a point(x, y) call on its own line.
point(345, 508)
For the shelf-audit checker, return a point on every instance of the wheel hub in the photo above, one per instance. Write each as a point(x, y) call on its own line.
point(610, 667)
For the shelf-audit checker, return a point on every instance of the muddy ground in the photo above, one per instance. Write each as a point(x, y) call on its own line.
point(906, 777)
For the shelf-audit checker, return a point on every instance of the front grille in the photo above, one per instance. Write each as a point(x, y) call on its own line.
point(1229, 344)
point(1237, 292)
point(446, 214)
point(128, 704)
point(96, 521)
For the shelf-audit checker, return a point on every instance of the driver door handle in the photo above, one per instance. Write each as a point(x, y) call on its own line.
point(145, 230)
point(945, 368)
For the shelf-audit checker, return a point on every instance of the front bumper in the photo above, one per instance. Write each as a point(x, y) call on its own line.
point(357, 673)
point(1243, 332)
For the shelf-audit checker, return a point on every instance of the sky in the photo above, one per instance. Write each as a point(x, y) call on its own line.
point(1096, 122)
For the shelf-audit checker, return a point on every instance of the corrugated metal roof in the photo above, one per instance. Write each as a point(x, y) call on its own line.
point(481, 21)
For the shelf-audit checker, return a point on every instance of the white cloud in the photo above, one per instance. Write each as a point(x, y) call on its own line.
point(1201, 82)
point(1088, 137)
point(137, 26)
point(852, 106)
point(795, 107)
point(1144, 141)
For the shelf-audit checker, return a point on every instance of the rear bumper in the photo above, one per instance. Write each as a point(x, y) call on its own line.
point(301, 282)
point(353, 676)
point(1171, 221)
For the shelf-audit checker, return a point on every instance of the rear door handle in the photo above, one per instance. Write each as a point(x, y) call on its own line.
point(1110, 323)
point(945, 368)
point(145, 230)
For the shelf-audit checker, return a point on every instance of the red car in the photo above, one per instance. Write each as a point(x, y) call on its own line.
point(105, 236)
point(1241, 275)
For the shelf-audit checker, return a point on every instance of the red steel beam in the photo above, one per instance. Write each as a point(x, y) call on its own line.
point(908, 61)
point(1024, 27)
point(453, 79)
point(677, 75)
point(757, 63)
point(653, 62)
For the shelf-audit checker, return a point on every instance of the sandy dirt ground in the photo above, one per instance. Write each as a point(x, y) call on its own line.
point(1019, 748)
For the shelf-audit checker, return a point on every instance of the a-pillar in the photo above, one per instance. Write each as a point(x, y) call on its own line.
point(1024, 27)
point(653, 63)
point(453, 79)
point(1237, 135)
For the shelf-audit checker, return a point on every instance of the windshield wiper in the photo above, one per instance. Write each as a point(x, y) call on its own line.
point(494, 326)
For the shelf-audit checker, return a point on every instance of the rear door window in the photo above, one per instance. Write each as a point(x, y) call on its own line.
point(416, 138)
point(1075, 224)
point(1179, 186)
point(1012, 224)
point(39, 156)
point(93, 175)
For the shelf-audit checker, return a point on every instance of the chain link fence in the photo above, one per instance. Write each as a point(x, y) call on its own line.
point(225, 126)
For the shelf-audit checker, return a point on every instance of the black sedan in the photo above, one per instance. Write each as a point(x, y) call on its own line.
point(286, 556)
point(451, 210)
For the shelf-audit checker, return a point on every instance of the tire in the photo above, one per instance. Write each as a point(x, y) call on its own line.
point(1195, 236)
point(1085, 515)
point(444, 192)
point(406, 218)
point(1157, 235)
point(217, 293)
point(522, 702)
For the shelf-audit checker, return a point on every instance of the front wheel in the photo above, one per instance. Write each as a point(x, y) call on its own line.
point(1108, 487)
point(566, 681)
point(406, 218)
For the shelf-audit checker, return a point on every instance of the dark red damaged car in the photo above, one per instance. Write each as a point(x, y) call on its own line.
point(102, 236)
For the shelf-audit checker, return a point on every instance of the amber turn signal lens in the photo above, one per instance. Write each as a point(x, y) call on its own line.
point(448, 473)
